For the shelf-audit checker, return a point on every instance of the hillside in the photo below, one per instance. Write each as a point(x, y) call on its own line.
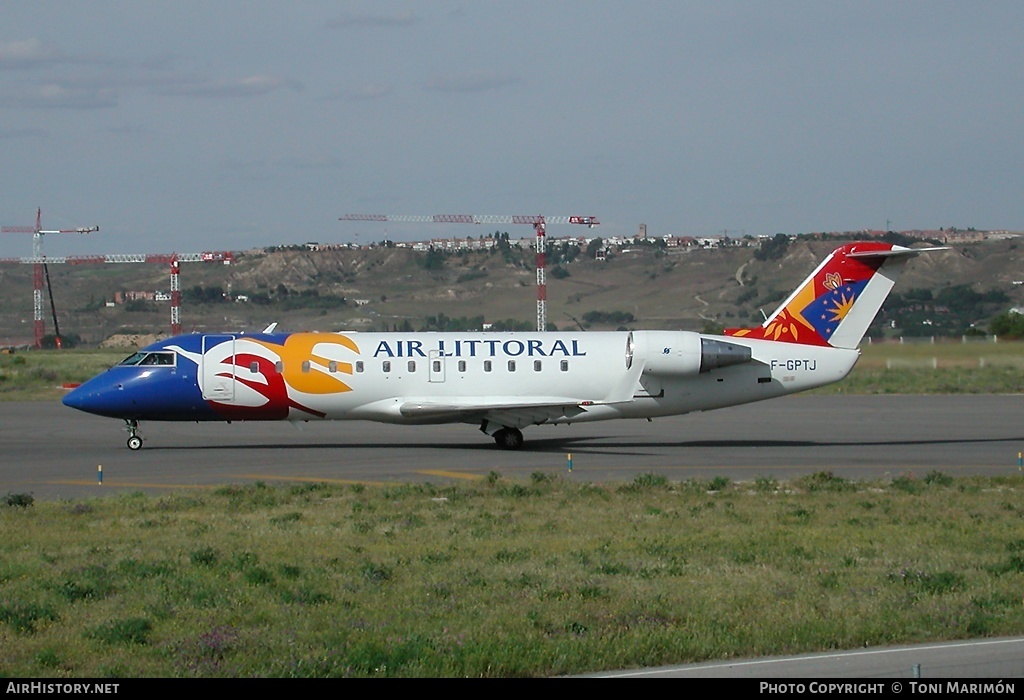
point(397, 287)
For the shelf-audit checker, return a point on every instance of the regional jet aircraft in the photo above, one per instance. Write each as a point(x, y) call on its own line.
point(504, 382)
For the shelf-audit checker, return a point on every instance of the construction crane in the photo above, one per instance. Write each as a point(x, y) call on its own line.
point(172, 259)
point(39, 261)
point(53, 309)
point(539, 224)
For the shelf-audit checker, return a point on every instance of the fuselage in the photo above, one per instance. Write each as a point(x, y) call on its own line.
point(452, 377)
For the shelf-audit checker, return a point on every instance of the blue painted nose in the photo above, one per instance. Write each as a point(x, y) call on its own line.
point(142, 393)
point(74, 399)
point(102, 398)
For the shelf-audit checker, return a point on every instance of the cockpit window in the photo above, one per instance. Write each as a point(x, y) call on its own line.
point(133, 359)
point(165, 359)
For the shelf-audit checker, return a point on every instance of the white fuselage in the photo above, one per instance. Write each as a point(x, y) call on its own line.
point(521, 378)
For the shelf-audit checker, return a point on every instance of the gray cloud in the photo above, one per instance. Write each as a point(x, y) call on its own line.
point(28, 53)
point(324, 162)
point(131, 131)
point(251, 86)
point(472, 82)
point(370, 91)
point(349, 19)
point(54, 95)
point(27, 133)
point(32, 53)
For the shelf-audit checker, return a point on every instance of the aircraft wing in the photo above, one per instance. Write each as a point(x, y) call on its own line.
point(509, 411)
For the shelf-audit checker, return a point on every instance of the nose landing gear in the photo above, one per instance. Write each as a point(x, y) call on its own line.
point(134, 438)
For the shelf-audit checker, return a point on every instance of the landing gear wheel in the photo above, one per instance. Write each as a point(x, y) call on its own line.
point(134, 439)
point(509, 438)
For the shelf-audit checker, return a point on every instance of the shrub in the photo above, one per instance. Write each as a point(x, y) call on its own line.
point(824, 481)
point(18, 500)
point(718, 483)
point(24, 616)
point(938, 478)
point(907, 484)
point(131, 630)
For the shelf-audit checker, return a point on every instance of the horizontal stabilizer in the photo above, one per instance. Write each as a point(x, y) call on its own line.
point(894, 252)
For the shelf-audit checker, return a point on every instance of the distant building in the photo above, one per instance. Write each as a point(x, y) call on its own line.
point(122, 297)
point(709, 241)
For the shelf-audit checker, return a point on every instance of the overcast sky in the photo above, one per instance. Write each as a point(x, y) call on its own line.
point(189, 126)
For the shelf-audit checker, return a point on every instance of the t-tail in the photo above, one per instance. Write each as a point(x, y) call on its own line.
point(835, 305)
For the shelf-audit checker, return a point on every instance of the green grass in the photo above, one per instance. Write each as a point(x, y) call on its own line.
point(40, 374)
point(941, 368)
point(497, 578)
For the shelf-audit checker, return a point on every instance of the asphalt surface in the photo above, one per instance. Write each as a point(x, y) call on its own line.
point(55, 452)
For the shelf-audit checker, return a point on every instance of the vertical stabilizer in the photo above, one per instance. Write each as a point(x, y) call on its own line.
point(835, 305)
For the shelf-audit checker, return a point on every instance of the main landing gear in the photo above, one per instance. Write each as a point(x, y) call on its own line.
point(509, 438)
point(134, 439)
point(505, 438)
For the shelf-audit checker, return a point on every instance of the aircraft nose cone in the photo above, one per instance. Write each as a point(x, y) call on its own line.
point(95, 397)
point(74, 399)
point(83, 398)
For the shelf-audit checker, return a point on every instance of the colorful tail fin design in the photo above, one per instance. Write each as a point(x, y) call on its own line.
point(837, 303)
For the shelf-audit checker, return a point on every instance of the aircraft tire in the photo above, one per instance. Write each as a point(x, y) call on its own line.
point(134, 442)
point(509, 438)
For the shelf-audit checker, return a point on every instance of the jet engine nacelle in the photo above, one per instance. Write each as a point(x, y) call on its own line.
point(684, 354)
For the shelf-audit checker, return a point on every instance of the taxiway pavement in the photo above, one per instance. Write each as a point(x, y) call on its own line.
point(55, 452)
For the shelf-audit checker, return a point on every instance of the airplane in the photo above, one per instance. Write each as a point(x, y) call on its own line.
point(504, 382)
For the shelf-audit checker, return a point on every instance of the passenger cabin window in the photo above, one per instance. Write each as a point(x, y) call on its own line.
point(359, 366)
point(564, 365)
point(437, 365)
point(254, 367)
point(487, 365)
point(332, 366)
point(386, 366)
point(536, 365)
point(305, 366)
point(412, 365)
point(279, 367)
point(462, 365)
point(511, 365)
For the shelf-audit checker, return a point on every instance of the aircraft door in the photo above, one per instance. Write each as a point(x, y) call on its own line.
point(218, 370)
point(437, 366)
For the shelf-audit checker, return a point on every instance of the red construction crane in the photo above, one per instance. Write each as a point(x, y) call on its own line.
point(173, 259)
point(539, 224)
point(39, 260)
